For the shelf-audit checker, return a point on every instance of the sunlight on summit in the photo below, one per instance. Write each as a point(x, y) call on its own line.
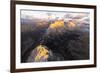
point(42, 53)
point(57, 23)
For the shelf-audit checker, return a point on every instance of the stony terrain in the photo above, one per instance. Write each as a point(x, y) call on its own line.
point(59, 39)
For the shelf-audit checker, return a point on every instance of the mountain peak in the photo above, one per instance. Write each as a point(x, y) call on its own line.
point(57, 24)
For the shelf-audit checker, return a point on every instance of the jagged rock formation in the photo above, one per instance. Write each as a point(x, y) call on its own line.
point(46, 37)
point(64, 43)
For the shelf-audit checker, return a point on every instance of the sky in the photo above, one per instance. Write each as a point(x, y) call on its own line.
point(51, 14)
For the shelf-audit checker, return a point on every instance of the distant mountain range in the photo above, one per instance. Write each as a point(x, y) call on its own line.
point(66, 38)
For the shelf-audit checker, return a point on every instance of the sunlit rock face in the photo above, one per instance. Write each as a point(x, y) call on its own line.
point(57, 24)
point(39, 54)
point(56, 28)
